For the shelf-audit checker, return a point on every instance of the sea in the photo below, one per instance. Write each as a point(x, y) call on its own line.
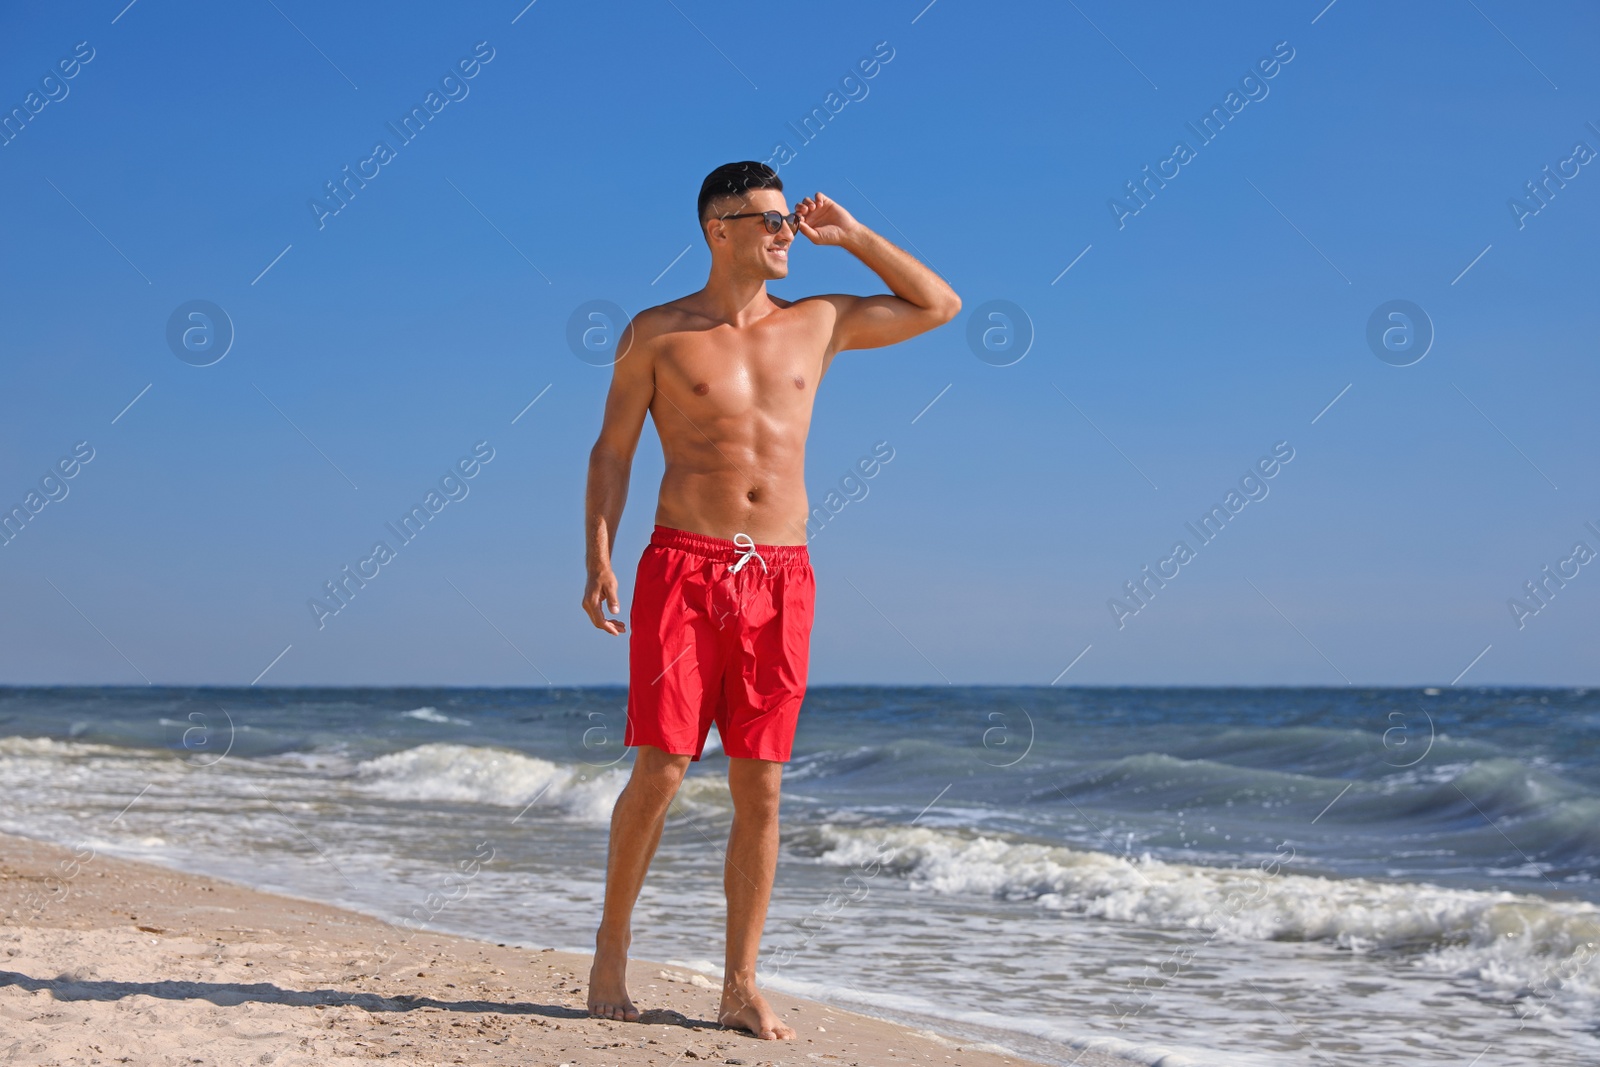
point(1223, 877)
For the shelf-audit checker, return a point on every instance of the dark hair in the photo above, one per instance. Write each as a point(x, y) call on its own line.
point(735, 179)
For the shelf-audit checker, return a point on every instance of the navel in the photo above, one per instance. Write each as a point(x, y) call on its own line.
point(751, 496)
point(702, 389)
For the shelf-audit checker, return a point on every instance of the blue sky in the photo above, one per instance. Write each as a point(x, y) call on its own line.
point(374, 347)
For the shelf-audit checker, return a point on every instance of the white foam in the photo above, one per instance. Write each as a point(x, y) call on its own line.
point(479, 775)
point(505, 778)
point(49, 747)
point(997, 1029)
point(1510, 941)
point(433, 715)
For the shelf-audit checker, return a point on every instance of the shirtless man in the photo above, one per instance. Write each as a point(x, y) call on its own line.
point(722, 601)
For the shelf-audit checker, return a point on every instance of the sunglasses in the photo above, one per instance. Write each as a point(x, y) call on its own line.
point(774, 219)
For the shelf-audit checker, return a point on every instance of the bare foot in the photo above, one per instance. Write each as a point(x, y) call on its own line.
point(747, 1009)
point(608, 988)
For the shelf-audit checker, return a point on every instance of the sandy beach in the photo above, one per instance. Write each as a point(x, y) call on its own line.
point(109, 961)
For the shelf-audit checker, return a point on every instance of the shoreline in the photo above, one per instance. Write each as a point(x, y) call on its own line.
point(109, 960)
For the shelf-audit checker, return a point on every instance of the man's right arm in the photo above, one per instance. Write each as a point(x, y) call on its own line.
point(610, 462)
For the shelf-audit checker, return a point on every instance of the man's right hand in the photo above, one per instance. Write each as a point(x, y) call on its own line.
point(602, 588)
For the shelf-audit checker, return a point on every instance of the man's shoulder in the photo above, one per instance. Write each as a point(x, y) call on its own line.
point(819, 302)
point(645, 329)
point(663, 318)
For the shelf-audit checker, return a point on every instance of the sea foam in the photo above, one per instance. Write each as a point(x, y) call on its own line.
point(1514, 942)
point(479, 775)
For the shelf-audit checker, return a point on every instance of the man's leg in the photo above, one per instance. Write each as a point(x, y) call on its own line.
point(636, 824)
point(747, 879)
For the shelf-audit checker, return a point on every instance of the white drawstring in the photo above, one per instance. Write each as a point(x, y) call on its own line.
point(749, 546)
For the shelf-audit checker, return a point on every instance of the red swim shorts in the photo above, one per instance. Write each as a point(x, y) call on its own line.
point(719, 631)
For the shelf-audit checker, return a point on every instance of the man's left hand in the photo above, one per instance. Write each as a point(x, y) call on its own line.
point(824, 221)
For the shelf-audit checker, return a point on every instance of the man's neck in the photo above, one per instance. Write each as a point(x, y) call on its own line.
point(736, 299)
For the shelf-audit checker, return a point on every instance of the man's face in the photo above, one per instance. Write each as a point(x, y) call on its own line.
point(746, 241)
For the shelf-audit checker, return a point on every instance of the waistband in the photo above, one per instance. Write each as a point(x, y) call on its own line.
point(721, 548)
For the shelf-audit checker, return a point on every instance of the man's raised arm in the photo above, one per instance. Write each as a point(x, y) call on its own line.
point(610, 463)
point(921, 300)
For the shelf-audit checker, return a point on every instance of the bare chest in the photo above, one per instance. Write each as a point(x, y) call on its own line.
point(724, 372)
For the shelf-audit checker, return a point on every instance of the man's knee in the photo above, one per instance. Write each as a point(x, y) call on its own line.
point(659, 772)
point(652, 760)
point(755, 787)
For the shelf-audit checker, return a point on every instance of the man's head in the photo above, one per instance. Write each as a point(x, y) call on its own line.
point(745, 189)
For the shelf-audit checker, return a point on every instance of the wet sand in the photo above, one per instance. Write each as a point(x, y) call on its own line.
point(107, 961)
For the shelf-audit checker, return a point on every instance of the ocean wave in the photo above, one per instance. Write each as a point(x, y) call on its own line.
point(505, 778)
point(833, 763)
point(1480, 803)
point(1160, 780)
point(496, 776)
point(433, 715)
point(1497, 787)
point(1553, 822)
point(1514, 942)
point(50, 748)
point(1319, 750)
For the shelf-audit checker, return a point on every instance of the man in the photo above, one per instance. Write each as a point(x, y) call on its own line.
point(722, 601)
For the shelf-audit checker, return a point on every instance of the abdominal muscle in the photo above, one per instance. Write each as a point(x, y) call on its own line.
point(708, 490)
